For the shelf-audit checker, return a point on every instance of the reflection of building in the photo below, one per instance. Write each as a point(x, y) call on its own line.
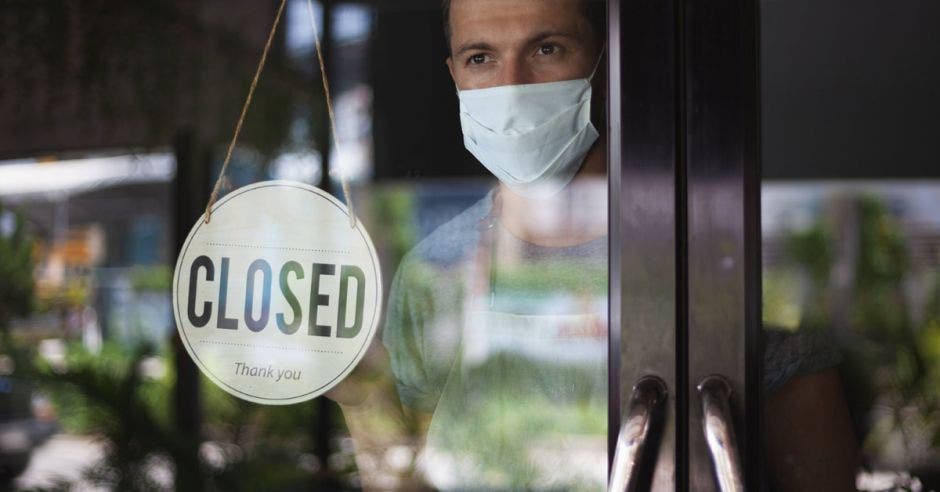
point(121, 75)
point(96, 219)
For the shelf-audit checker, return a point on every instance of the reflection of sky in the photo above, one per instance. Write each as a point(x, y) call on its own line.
point(352, 156)
point(350, 23)
point(306, 167)
point(299, 32)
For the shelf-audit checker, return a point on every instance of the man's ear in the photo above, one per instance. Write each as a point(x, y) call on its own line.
point(450, 67)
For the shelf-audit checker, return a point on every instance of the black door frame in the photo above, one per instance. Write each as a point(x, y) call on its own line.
point(683, 112)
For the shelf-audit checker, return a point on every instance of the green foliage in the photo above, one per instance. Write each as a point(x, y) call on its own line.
point(73, 294)
point(153, 278)
point(882, 245)
point(781, 308)
point(266, 447)
point(74, 385)
point(881, 312)
point(579, 276)
point(109, 395)
point(106, 395)
point(507, 430)
point(394, 209)
point(811, 250)
point(892, 362)
point(16, 268)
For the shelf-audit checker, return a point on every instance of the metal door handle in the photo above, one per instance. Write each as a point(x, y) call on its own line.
point(632, 458)
point(715, 392)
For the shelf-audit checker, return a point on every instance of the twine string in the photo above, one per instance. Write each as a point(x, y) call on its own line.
point(241, 118)
point(329, 109)
point(251, 92)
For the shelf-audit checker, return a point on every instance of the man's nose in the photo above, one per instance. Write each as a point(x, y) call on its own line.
point(516, 72)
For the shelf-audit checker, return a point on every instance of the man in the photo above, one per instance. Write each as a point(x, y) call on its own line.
point(496, 324)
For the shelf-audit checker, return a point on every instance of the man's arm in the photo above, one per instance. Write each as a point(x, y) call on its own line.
point(808, 436)
point(379, 425)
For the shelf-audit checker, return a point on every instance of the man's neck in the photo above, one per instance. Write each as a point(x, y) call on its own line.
point(549, 221)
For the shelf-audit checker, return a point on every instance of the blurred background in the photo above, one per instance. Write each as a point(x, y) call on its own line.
point(115, 120)
point(114, 117)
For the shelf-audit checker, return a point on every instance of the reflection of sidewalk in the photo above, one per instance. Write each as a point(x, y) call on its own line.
point(583, 460)
point(63, 458)
point(572, 461)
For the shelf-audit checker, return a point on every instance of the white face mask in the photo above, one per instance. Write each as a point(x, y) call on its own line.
point(532, 137)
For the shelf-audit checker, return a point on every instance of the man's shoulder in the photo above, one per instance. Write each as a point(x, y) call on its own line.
point(453, 241)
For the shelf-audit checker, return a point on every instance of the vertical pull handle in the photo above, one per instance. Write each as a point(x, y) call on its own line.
point(638, 439)
point(715, 392)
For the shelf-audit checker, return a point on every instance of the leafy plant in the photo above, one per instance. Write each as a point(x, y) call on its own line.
point(892, 361)
point(111, 395)
point(16, 268)
point(105, 396)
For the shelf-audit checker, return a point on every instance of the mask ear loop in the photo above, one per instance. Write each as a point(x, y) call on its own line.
point(597, 64)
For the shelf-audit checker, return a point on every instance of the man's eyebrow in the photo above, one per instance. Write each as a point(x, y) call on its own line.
point(472, 46)
point(536, 38)
point(542, 36)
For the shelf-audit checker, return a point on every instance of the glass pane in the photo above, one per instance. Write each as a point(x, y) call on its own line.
point(849, 244)
point(481, 179)
point(495, 337)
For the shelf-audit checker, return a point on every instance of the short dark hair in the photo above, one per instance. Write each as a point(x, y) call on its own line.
point(595, 11)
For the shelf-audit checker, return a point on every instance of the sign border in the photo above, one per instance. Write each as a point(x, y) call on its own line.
point(372, 325)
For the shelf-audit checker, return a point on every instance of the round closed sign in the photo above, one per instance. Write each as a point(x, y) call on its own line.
point(277, 298)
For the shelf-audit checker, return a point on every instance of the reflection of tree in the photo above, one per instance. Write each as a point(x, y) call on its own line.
point(394, 210)
point(511, 439)
point(856, 262)
point(16, 269)
point(812, 251)
point(120, 398)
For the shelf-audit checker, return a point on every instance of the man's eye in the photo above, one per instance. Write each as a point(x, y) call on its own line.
point(548, 49)
point(477, 59)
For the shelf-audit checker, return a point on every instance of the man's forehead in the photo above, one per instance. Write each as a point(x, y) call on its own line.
point(470, 19)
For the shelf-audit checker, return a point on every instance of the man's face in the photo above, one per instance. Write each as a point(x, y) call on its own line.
point(511, 42)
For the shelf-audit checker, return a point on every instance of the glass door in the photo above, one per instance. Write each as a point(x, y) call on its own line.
point(777, 159)
point(625, 244)
point(848, 116)
point(685, 219)
point(491, 140)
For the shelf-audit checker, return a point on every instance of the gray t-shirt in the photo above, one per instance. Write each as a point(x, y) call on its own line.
point(484, 329)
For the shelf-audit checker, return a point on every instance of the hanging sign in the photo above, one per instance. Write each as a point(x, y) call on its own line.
point(278, 296)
